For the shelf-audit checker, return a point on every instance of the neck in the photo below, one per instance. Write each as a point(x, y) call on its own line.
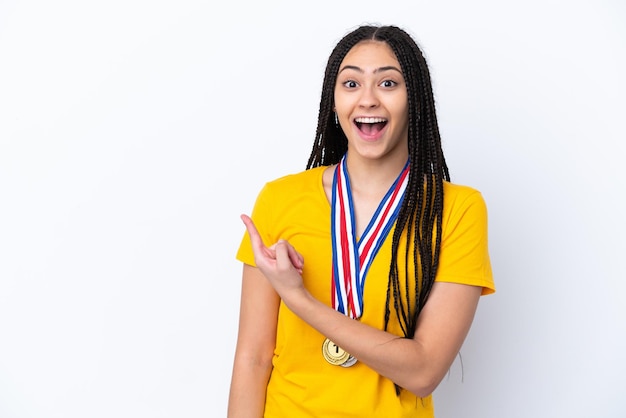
point(375, 175)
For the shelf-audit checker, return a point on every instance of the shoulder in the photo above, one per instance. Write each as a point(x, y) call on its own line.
point(459, 201)
point(294, 185)
point(456, 194)
point(311, 175)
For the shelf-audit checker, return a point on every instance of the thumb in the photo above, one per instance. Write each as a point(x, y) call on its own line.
point(283, 251)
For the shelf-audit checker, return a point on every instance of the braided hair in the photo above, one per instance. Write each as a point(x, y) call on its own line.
point(421, 211)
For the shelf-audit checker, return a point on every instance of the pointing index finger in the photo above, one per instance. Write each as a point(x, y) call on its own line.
point(255, 237)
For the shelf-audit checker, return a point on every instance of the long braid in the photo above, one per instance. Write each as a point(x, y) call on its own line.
point(420, 216)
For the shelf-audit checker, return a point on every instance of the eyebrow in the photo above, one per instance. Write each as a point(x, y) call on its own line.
point(378, 70)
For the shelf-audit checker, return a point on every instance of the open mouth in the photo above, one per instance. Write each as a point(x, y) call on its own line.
point(370, 126)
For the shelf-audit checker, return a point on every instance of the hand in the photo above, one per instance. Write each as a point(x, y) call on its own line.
point(281, 264)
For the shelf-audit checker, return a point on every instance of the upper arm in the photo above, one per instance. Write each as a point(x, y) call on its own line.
point(255, 344)
point(258, 315)
point(444, 323)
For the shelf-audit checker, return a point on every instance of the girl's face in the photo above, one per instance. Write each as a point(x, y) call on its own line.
point(371, 102)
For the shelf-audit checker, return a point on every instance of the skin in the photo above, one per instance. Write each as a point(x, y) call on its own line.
point(370, 84)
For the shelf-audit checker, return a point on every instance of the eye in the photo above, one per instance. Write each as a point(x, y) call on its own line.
point(388, 83)
point(350, 84)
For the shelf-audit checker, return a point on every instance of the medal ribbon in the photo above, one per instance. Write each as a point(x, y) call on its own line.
point(352, 258)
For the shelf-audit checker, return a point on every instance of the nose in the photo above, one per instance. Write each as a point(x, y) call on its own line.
point(368, 98)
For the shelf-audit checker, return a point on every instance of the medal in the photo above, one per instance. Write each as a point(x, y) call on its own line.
point(351, 257)
point(350, 362)
point(334, 354)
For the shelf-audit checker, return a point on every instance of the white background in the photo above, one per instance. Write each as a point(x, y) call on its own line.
point(133, 133)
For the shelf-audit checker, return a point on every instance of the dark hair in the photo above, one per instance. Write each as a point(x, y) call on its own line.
point(421, 210)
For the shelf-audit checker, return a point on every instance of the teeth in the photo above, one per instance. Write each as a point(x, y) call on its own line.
point(370, 120)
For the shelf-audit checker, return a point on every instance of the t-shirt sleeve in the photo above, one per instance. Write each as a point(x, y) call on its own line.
point(261, 217)
point(464, 256)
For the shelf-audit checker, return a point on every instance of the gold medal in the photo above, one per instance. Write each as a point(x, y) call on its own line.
point(334, 354)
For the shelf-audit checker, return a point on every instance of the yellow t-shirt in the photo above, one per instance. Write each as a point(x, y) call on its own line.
point(302, 383)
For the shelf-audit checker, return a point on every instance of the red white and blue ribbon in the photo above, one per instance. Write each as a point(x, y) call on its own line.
point(351, 257)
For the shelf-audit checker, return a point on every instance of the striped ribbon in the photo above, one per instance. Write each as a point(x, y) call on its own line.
point(351, 257)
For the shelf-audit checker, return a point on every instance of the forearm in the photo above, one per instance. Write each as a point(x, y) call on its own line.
point(417, 364)
point(402, 360)
point(248, 387)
